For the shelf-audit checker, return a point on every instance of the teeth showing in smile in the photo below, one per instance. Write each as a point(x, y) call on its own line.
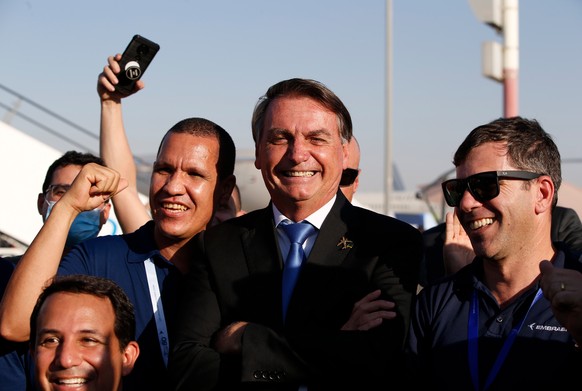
point(480, 223)
point(300, 173)
point(76, 380)
point(174, 207)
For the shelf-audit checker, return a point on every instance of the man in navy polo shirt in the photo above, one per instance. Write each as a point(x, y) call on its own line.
point(14, 359)
point(495, 325)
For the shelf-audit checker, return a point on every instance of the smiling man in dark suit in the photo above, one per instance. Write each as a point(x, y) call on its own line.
point(347, 316)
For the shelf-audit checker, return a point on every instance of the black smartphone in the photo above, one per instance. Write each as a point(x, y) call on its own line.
point(134, 61)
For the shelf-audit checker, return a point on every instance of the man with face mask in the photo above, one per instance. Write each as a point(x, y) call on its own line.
point(57, 181)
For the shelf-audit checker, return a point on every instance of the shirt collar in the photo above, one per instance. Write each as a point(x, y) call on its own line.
point(315, 219)
point(471, 276)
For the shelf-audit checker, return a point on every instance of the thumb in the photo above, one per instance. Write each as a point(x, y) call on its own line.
point(546, 266)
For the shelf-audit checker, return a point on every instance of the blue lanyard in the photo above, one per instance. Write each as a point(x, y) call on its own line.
point(158, 309)
point(474, 338)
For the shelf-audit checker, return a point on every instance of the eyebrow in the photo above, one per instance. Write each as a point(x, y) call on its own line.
point(325, 131)
point(56, 331)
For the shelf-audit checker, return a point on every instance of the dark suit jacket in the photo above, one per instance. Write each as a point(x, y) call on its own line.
point(237, 277)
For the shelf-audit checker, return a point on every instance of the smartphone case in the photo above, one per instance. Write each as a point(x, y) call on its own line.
point(134, 61)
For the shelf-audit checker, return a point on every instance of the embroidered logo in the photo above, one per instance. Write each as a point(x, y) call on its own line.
point(541, 327)
point(345, 243)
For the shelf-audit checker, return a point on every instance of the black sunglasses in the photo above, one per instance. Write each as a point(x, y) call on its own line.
point(349, 175)
point(483, 186)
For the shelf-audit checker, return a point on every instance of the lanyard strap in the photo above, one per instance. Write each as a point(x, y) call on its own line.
point(158, 308)
point(473, 334)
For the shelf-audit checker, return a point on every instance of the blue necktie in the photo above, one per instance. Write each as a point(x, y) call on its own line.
point(297, 233)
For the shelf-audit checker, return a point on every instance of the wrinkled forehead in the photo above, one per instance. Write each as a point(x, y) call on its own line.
point(300, 114)
point(485, 157)
point(185, 145)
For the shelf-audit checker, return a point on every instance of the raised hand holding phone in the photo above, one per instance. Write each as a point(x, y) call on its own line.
point(134, 61)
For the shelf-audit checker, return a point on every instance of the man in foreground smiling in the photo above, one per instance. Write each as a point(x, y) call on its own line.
point(83, 335)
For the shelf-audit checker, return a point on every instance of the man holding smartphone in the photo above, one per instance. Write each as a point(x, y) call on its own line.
point(192, 176)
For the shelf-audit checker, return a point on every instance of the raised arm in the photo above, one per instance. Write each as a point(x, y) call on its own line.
point(92, 186)
point(114, 148)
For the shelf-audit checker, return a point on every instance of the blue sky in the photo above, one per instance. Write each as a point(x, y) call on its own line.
point(218, 57)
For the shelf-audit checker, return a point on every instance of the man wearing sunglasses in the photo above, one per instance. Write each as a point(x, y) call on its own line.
point(491, 325)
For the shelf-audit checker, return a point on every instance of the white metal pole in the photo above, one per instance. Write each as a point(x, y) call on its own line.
point(388, 120)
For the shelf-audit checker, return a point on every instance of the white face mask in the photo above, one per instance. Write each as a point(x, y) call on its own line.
point(85, 226)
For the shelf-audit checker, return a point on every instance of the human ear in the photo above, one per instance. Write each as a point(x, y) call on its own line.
point(545, 193)
point(130, 354)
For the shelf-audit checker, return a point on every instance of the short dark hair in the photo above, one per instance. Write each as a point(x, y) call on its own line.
point(95, 286)
point(69, 158)
point(203, 127)
point(529, 146)
point(303, 87)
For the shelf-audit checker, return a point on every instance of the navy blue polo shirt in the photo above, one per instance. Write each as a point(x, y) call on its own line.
point(122, 258)
point(15, 361)
point(542, 357)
